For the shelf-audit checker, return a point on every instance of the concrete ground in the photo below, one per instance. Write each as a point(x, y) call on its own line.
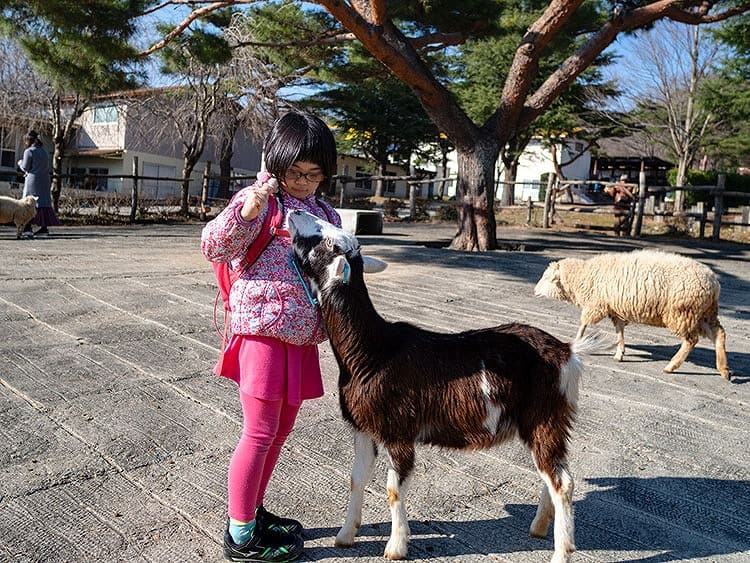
point(115, 437)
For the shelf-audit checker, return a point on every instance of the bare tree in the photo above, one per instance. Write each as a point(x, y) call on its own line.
point(664, 82)
point(28, 100)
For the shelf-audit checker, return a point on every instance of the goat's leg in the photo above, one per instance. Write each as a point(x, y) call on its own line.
point(720, 343)
point(620, 330)
point(365, 452)
point(401, 459)
point(544, 514)
point(551, 465)
point(687, 346)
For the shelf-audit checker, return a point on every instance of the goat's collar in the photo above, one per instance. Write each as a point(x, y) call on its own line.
point(295, 267)
point(346, 272)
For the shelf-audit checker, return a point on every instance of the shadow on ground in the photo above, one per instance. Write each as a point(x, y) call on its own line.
point(707, 508)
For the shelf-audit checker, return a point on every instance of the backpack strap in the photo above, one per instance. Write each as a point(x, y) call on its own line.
point(327, 209)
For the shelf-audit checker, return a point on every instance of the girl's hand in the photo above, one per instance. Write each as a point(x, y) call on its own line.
point(257, 199)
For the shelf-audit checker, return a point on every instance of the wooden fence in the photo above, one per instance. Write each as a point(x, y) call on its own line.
point(643, 202)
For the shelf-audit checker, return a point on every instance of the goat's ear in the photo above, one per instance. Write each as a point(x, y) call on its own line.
point(373, 265)
point(338, 266)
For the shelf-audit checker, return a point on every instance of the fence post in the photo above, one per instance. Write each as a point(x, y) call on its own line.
point(718, 204)
point(530, 210)
point(342, 195)
point(134, 192)
point(412, 201)
point(642, 193)
point(701, 209)
point(204, 191)
point(745, 219)
point(547, 199)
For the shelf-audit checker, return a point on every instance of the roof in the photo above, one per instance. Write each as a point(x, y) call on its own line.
point(635, 146)
point(104, 153)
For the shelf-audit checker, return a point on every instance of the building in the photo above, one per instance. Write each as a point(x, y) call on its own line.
point(116, 131)
point(534, 165)
point(613, 157)
point(120, 128)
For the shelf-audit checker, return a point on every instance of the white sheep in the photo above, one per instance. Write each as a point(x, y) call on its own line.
point(644, 286)
point(18, 211)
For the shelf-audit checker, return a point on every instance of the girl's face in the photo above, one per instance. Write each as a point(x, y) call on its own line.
point(302, 179)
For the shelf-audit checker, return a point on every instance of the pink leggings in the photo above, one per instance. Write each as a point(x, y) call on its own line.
point(266, 425)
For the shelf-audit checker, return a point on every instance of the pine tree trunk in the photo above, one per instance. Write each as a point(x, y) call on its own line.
point(379, 184)
point(476, 199)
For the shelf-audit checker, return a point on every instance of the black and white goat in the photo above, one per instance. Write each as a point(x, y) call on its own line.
point(400, 385)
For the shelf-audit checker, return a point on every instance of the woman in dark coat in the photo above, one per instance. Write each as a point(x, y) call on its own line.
point(35, 165)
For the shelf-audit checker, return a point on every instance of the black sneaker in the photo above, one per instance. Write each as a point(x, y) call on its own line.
point(276, 524)
point(263, 546)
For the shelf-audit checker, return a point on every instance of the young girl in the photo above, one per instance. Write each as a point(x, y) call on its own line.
point(272, 353)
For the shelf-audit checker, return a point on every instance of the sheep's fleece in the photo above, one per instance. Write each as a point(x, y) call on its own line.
point(644, 286)
point(17, 211)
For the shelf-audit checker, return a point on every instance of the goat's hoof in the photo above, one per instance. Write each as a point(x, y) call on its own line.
point(560, 558)
point(345, 538)
point(668, 369)
point(539, 528)
point(396, 548)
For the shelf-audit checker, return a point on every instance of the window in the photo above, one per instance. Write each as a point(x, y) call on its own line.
point(105, 114)
point(97, 180)
point(7, 149)
point(390, 185)
point(154, 186)
point(362, 184)
point(77, 177)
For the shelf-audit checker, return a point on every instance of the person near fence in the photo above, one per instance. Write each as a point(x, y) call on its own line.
point(623, 205)
point(35, 166)
point(272, 353)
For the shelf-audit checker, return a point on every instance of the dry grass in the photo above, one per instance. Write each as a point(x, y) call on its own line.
point(679, 227)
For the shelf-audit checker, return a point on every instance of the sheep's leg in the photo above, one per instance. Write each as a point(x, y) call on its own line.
point(365, 452)
point(401, 464)
point(620, 330)
point(720, 339)
point(581, 330)
point(687, 346)
point(588, 317)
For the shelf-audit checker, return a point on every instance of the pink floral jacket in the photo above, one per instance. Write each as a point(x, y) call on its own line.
point(268, 299)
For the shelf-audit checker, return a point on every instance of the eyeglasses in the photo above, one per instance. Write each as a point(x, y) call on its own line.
point(313, 177)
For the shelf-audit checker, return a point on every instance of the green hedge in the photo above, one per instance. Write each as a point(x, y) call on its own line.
point(735, 183)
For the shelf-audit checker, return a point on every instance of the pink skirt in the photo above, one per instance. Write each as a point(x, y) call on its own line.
point(270, 369)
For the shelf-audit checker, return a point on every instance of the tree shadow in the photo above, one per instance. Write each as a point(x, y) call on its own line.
point(664, 518)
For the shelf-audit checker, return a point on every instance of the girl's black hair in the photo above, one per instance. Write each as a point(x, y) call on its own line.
point(300, 136)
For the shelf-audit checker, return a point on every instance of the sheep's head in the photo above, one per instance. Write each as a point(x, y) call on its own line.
point(550, 284)
point(326, 253)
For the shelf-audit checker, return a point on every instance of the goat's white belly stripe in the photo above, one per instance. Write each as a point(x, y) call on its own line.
point(494, 411)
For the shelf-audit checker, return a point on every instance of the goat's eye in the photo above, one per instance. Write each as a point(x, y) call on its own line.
point(329, 244)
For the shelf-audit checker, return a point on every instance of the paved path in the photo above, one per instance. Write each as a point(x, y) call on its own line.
point(115, 438)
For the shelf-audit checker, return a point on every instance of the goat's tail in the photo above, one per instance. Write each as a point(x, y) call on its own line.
point(571, 372)
point(591, 343)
